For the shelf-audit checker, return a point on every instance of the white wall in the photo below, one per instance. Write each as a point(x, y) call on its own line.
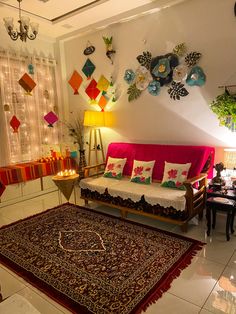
point(205, 26)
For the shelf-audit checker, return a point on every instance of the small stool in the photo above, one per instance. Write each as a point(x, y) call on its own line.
point(223, 204)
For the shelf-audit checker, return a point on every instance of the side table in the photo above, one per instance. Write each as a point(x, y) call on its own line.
point(221, 202)
point(65, 186)
point(217, 203)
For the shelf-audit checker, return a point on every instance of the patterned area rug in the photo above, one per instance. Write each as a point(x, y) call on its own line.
point(92, 262)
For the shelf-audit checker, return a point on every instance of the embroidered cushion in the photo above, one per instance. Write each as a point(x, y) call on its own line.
point(114, 168)
point(142, 171)
point(175, 175)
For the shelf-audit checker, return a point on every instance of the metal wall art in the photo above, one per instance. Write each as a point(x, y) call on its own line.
point(172, 69)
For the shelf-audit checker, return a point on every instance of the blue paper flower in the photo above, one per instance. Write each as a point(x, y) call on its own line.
point(162, 69)
point(154, 88)
point(196, 77)
point(129, 76)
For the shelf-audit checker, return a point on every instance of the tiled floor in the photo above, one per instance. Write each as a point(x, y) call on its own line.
point(208, 285)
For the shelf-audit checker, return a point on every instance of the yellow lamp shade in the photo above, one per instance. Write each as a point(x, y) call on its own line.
point(98, 118)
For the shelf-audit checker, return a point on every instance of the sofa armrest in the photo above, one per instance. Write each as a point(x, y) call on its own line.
point(196, 179)
point(195, 200)
point(97, 169)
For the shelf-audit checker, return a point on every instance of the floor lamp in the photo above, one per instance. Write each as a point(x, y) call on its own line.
point(95, 120)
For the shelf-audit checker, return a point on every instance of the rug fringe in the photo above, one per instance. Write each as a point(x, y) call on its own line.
point(165, 285)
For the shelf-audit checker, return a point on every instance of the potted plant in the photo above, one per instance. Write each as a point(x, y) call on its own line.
point(76, 131)
point(224, 106)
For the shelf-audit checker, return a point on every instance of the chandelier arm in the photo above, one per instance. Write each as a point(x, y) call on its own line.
point(13, 36)
point(31, 36)
point(24, 27)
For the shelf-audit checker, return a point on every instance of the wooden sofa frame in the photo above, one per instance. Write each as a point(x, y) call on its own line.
point(195, 202)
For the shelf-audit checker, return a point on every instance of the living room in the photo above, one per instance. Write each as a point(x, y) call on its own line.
point(147, 117)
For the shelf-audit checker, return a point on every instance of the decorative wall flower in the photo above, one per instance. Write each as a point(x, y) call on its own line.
point(196, 77)
point(192, 58)
point(129, 76)
point(164, 70)
point(154, 88)
point(133, 92)
point(145, 59)
point(142, 78)
point(177, 90)
point(180, 50)
point(165, 78)
point(180, 73)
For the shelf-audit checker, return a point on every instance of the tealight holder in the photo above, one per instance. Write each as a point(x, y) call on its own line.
point(66, 173)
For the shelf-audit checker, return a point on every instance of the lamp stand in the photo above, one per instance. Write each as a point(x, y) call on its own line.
point(95, 145)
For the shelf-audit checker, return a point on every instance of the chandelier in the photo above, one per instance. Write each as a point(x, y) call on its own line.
point(24, 28)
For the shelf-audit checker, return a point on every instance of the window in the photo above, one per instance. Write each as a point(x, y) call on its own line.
point(33, 132)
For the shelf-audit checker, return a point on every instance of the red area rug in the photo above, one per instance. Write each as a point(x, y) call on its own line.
point(94, 263)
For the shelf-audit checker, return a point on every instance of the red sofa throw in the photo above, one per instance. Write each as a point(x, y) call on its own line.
point(200, 157)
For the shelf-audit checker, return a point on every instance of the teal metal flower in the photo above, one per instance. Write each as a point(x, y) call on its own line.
point(196, 77)
point(129, 76)
point(154, 88)
point(162, 69)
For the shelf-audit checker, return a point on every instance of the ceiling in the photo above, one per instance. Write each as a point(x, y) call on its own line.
point(63, 18)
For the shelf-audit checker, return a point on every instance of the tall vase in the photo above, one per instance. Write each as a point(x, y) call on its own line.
point(82, 162)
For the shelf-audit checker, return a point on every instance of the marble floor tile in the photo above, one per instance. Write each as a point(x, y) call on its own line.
point(171, 304)
point(9, 284)
point(27, 301)
point(197, 280)
point(223, 298)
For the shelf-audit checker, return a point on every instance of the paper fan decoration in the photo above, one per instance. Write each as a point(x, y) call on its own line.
point(27, 83)
point(102, 102)
point(88, 68)
point(75, 82)
point(92, 91)
point(51, 118)
point(103, 83)
point(15, 123)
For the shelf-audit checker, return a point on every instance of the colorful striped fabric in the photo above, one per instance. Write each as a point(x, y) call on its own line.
point(33, 170)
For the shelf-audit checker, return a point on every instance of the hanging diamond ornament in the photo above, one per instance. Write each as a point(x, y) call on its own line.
point(24, 27)
point(14, 123)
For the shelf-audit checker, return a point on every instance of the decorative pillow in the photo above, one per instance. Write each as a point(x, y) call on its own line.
point(114, 168)
point(142, 171)
point(175, 175)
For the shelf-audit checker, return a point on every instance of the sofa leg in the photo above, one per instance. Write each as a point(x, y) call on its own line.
point(85, 202)
point(184, 228)
point(123, 213)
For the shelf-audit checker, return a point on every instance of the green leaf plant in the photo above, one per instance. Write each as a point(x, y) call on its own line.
point(224, 106)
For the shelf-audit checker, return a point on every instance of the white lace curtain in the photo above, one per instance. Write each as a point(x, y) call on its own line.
point(33, 132)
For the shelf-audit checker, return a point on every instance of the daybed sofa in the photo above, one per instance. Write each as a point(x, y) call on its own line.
point(166, 204)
